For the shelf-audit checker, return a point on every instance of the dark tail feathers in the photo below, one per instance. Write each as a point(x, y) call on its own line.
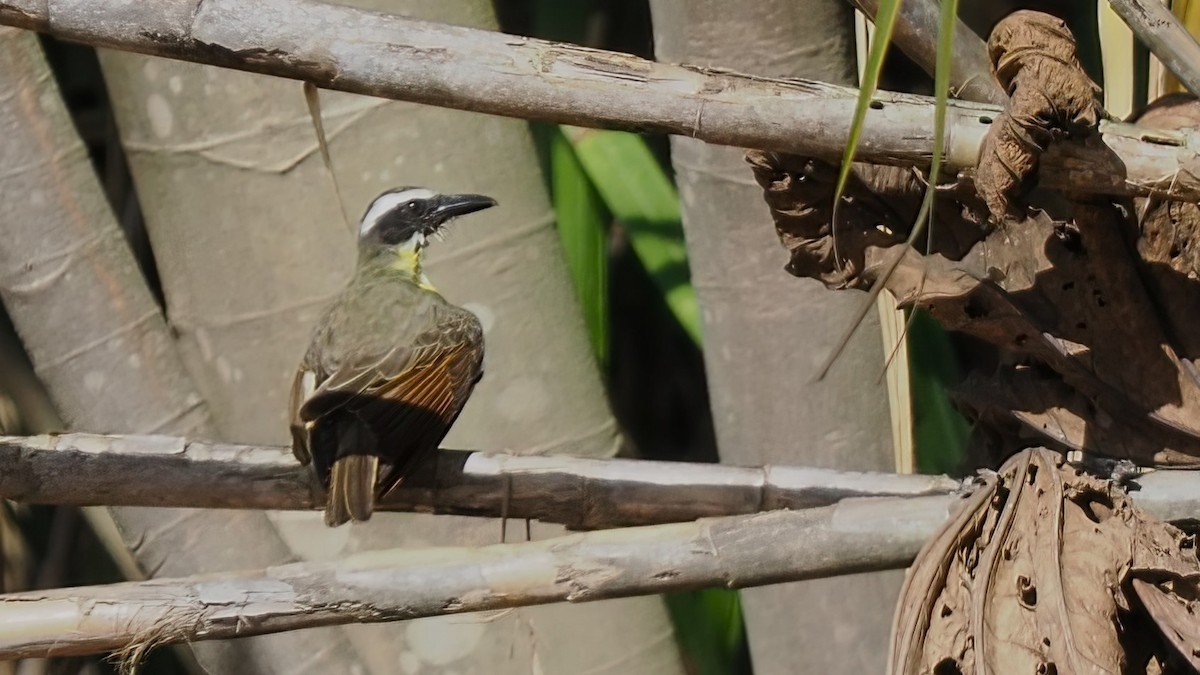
point(352, 489)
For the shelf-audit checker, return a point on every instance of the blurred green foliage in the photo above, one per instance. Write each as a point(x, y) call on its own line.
point(582, 226)
point(634, 188)
point(644, 201)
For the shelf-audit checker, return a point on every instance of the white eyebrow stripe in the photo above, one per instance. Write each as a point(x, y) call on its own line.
point(387, 202)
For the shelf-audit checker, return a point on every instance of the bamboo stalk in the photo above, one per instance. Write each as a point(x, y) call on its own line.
point(391, 56)
point(100, 344)
point(850, 536)
point(398, 584)
point(96, 469)
point(85, 469)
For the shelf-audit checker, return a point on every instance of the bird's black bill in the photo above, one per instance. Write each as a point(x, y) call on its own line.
point(453, 206)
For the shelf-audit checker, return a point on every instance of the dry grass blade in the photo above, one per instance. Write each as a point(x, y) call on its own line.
point(312, 96)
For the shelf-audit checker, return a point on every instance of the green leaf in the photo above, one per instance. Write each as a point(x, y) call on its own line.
point(885, 23)
point(643, 199)
point(581, 219)
point(941, 93)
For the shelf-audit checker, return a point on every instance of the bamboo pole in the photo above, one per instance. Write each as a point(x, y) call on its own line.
point(93, 469)
point(398, 584)
point(86, 469)
point(391, 56)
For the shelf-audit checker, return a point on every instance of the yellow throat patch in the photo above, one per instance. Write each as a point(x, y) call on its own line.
point(408, 262)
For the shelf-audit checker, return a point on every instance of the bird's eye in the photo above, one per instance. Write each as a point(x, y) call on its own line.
point(411, 206)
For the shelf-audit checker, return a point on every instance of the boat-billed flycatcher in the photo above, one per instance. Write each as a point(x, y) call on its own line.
point(391, 363)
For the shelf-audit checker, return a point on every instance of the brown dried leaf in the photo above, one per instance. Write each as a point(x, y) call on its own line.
point(1064, 288)
point(1175, 617)
point(1169, 248)
point(930, 616)
point(1033, 58)
point(1162, 591)
point(1031, 406)
point(877, 210)
point(1029, 578)
point(1061, 291)
point(798, 190)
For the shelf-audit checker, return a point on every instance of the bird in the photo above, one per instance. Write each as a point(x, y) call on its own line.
point(390, 364)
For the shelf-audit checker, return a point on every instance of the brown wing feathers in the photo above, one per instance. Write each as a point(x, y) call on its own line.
point(376, 433)
point(431, 395)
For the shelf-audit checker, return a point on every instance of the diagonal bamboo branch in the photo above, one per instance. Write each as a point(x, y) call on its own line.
point(390, 56)
point(84, 469)
point(1168, 39)
point(398, 584)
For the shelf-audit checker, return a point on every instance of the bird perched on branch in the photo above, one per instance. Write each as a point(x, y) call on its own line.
point(391, 362)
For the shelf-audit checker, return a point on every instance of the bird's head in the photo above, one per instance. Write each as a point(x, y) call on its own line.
point(402, 220)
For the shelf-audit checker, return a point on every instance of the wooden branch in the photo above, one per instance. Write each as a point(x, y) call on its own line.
point(390, 56)
point(398, 584)
point(1156, 26)
point(83, 469)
